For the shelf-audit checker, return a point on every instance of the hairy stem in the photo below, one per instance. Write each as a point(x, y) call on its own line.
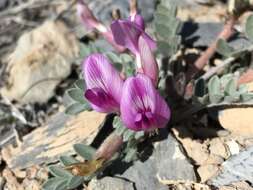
point(226, 33)
point(133, 7)
point(109, 147)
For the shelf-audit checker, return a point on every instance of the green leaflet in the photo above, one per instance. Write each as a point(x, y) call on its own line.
point(87, 152)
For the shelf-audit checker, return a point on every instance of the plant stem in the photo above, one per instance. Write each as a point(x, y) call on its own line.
point(246, 77)
point(133, 7)
point(226, 33)
point(109, 147)
point(214, 70)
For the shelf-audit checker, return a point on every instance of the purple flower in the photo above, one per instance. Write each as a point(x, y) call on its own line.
point(87, 18)
point(146, 62)
point(104, 84)
point(127, 32)
point(142, 107)
point(90, 22)
point(130, 34)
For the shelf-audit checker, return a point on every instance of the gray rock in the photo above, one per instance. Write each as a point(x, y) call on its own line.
point(166, 163)
point(109, 183)
point(2, 182)
point(3, 4)
point(203, 34)
point(102, 9)
point(237, 168)
point(56, 138)
point(179, 3)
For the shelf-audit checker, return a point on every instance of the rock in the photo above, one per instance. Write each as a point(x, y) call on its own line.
point(109, 183)
point(246, 142)
point(32, 172)
point(233, 147)
point(202, 14)
point(237, 186)
point(169, 157)
point(3, 4)
point(181, 187)
point(207, 171)
point(11, 181)
point(166, 157)
point(19, 173)
point(47, 143)
point(2, 182)
point(214, 159)
point(194, 149)
point(203, 34)
point(173, 185)
point(237, 168)
point(241, 125)
point(7, 135)
point(31, 184)
point(40, 61)
point(217, 147)
point(42, 174)
point(103, 9)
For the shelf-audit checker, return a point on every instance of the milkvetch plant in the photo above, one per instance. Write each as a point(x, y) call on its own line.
point(131, 34)
point(133, 97)
point(131, 93)
point(90, 22)
point(142, 107)
point(104, 84)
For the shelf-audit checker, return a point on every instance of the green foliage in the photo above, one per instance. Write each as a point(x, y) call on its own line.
point(84, 50)
point(55, 183)
point(249, 27)
point(231, 87)
point(131, 154)
point(75, 181)
point(224, 49)
point(79, 103)
point(87, 49)
point(63, 179)
point(87, 152)
point(118, 126)
point(166, 28)
point(67, 160)
point(127, 134)
point(130, 137)
point(225, 90)
point(58, 172)
point(77, 95)
point(76, 108)
point(122, 62)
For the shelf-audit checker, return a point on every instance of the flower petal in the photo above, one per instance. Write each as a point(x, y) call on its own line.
point(138, 94)
point(148, 62)
point(151, 43)
point(103, 82)
point(86, 16)
point(90, 22)
point(138, 19)
point(162, 112)
point(126, 33)
point(142, 108)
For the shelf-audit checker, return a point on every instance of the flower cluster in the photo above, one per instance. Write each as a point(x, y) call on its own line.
point(135, 99)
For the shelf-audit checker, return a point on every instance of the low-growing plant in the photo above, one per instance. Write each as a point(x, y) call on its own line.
point(127, 83)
